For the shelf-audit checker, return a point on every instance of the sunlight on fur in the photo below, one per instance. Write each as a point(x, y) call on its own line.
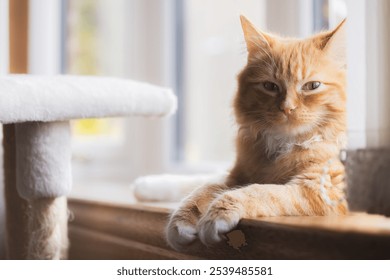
point(290, 111)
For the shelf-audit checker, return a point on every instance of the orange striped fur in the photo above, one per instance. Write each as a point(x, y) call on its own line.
point(288, 143)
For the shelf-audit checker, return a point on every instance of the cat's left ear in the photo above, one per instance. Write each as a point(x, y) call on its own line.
point(255, 39)
point(334, 43)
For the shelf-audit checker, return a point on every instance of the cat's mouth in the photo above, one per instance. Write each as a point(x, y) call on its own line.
point(294, 124)
point(288, 118)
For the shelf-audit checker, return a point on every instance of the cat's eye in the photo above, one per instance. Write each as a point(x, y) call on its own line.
point(271, 86)
point(311, 85)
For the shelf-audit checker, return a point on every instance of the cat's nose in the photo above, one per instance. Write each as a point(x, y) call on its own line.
point(288, 109)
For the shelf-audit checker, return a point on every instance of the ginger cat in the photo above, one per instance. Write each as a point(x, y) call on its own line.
point(290, 110)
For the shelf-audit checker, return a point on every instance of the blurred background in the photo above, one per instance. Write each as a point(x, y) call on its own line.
point(197, 48)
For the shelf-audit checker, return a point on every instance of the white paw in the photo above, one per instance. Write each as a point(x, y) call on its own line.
point(213, 227)
point(180, 234)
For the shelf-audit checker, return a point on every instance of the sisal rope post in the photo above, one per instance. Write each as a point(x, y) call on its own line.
point(48, 229)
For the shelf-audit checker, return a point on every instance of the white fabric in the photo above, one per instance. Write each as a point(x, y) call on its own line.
point(43, 159)
point(169, 187)
point(55, 98)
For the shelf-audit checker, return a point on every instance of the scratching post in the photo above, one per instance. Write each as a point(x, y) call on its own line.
point(48, 229)
point(41, 107)
point(43, 177)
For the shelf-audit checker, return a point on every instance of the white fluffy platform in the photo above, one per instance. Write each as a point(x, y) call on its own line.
point(55, 98)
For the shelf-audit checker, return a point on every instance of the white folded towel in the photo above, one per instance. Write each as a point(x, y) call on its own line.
point(170, 188)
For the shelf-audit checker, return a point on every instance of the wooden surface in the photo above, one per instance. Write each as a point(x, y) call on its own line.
point(134, 232)
point(110, 231)
point(16, 207)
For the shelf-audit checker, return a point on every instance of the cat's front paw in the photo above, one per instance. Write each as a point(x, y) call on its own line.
point(180, 233)
point(221, 218)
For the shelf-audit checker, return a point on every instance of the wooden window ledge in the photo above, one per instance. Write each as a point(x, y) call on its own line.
point(111, 231)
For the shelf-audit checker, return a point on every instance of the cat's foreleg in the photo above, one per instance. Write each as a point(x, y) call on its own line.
point(181, 229)
point(257, 200)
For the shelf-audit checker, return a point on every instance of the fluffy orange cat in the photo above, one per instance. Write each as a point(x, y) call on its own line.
point(290, 110)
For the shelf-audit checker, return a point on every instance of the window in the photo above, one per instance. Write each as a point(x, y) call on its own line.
point(214, 53)
point(93, 42)
point(85, 54)
point(118, 39)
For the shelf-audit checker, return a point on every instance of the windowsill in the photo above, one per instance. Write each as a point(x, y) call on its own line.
point(103, 230)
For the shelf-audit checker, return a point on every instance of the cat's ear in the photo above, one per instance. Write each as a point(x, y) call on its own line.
point(334, 43)
point(254, 38)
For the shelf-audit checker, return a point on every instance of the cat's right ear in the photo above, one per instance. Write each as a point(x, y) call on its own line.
point(255, 39)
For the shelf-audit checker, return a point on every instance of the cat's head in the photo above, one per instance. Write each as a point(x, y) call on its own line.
point(292, 86)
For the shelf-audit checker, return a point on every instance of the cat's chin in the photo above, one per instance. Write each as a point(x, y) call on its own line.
point(292, 126)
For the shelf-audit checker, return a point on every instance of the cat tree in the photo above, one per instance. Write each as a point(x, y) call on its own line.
point(41, 108)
